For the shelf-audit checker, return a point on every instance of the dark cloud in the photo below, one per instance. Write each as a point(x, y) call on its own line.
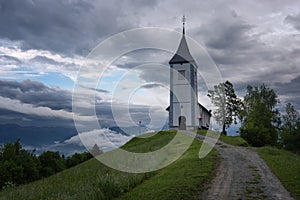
point(152, 85)
point(8, 116)
point(142, 3)
point(96, 90)
point(290, 91)
point(37, 94)
point(61, 65)
point(100, 90)
point(228, 41)
point(228, 36)
point(294, 20)
point(44, 60)
point(65, 26)
point(140, 57)
point(247, 49)
point(6, 59)
point(243, 56)
point(151, 64)
point(107, 118)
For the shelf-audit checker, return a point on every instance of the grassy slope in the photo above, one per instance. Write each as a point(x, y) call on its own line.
point(93, 180)
point(183, 179)
point(80, 182)
point(285, 165)
point(233, 140)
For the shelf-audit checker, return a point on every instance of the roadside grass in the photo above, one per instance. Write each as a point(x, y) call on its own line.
point(285, 165)
point(232, 140)
point(92, 180)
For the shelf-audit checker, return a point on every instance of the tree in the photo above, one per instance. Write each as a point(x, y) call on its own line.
point(31, 165)
point(77, 158)
point(20, 166)
point(259, 117)
point(290, 120)
point(73, 160)
point(51, 163)
point(17, 165)
point(290, 130)
point(228, 104)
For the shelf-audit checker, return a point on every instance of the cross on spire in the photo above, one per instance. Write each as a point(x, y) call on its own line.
point(183, 24)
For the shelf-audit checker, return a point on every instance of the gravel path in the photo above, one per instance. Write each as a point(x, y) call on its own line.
point(242, 174)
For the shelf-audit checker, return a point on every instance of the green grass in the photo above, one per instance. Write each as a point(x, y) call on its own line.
point(92, 180)
point(285, 165)
point(232, 140)
point(148, 144)
point(89, 180)
point(183, 179)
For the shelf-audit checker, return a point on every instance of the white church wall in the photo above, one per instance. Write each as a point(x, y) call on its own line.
point(181, 109)
point(182, 93)
point(182, 90)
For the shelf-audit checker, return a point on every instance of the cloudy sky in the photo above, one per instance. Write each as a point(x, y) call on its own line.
point(43, 45)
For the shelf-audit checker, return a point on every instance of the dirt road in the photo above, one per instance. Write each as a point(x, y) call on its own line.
point(242, 174)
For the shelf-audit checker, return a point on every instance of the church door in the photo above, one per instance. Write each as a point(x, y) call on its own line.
point(182, 123)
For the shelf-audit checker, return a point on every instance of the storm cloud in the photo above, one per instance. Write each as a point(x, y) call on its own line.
point(294, 20)
point(37, 94)
point(249, 46)
point(66, 27)
point(29, 102)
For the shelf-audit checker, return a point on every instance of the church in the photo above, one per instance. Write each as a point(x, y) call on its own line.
point(185, 112)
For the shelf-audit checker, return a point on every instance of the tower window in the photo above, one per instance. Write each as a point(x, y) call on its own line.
point(181, 74)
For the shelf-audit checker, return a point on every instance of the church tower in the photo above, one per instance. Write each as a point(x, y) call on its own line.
point(184, 107)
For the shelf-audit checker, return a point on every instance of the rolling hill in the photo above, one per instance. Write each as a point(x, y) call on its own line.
point(183, 179)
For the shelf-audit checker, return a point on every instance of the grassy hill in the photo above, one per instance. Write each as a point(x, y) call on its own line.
point(232, 140)
point(183, 179)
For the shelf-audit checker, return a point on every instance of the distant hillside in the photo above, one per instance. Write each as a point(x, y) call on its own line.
point(45, 138)
point(92, 180)
point(32, 135)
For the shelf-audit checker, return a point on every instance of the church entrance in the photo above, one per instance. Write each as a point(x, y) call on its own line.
point(182, 123)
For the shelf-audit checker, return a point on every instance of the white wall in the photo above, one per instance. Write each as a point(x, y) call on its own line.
point(183, 91)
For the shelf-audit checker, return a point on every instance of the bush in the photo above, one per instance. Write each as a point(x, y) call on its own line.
point(292, 143)
point(17, 166)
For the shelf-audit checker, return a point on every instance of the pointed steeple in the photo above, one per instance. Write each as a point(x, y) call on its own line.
point(183, 54)
point(183, 23)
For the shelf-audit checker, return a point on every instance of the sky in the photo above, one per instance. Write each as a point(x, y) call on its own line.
point(44, 44)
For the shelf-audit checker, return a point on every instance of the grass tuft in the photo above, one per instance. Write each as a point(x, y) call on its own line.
point(232, 140)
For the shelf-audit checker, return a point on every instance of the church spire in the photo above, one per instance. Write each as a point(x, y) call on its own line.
point(183, 24)
point(183, 54)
